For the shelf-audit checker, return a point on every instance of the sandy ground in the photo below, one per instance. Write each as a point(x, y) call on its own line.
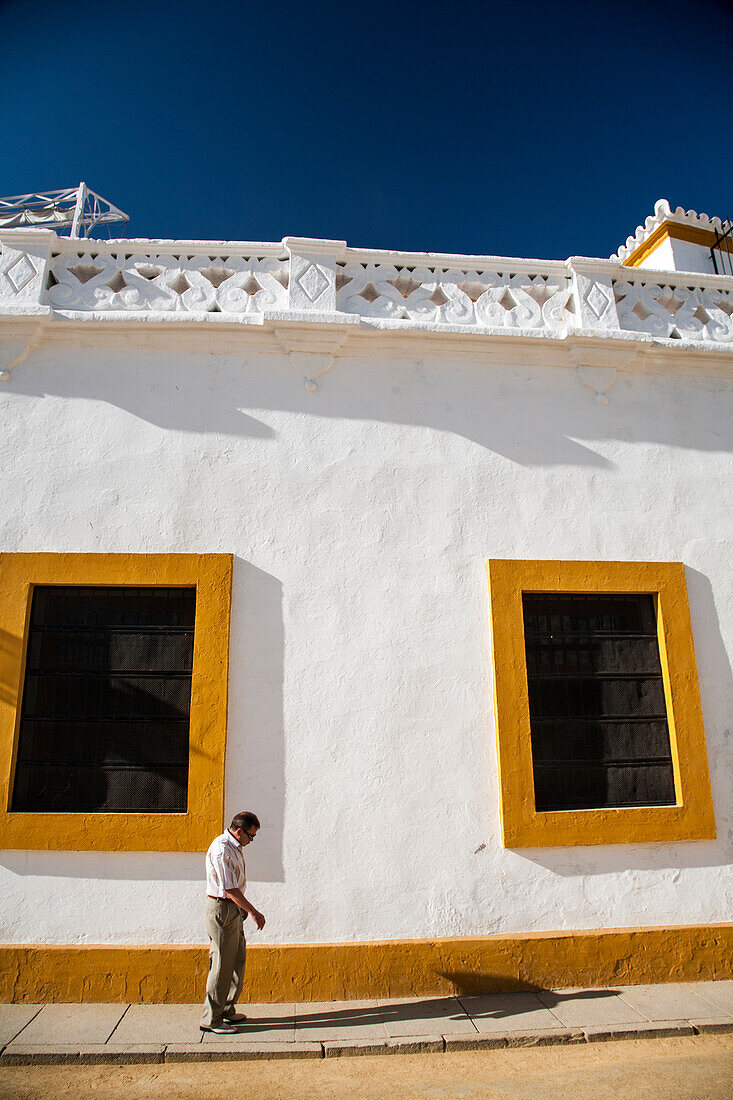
point(666, 1069)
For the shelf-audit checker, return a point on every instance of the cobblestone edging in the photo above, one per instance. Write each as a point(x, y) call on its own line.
point(140, 1054)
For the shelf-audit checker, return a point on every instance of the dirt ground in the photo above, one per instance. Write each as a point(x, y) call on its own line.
point(698, 1068)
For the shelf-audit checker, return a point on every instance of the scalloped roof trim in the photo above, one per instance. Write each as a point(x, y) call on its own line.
point(663, 212)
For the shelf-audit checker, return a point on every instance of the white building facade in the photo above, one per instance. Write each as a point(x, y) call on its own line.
point(329, 444)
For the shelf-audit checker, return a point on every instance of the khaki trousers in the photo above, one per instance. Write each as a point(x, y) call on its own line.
point(227, 956)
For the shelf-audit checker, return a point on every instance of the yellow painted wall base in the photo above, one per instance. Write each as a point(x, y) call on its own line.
point(392, 968)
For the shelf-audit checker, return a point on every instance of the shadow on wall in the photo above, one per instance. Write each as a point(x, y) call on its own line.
point(10, 651)
point(534, 416)
point(715, 677)
point(255, 760)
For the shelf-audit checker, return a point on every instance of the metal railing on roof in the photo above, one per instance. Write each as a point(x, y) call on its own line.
point(721, 252)
point(74, 208)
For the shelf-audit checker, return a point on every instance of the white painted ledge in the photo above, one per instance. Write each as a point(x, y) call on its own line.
point(310, 284)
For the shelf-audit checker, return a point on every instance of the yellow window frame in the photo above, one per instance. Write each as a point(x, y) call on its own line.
point(192, 831)
point(522, 826)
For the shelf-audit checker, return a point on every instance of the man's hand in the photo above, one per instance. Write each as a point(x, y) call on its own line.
point(236, 895)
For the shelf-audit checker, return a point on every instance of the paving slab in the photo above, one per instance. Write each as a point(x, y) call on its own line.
point(719, 1026)
point(718, 993)
point(347, 1048)
point(40, 1054)
point(324, 1020)
point(121, 1054)
point(61, 1024)
point(404, 1044)
point(475, 1042)
point(158, 1024)
point(444, 1016)
point(239, 1052)
point(499, 1012)
point(434, 1003)
point(257, 1033)
point(676, 1001)
point(414, 1044)
point(648, 1030)
point(375, 1032)
point(13, 1018)
point(590, 1008)
point(260, 1011)
point(265, 1023)
point(360, 1012)
point(521, 1038)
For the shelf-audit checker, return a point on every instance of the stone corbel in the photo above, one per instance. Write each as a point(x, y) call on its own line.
point(598, 368)
point(310, 353)
point(31, 344)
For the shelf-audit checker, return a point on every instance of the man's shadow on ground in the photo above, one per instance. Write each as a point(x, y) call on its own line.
point(495, 1006)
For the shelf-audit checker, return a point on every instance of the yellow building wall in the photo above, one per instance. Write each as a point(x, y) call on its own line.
point(392, 968)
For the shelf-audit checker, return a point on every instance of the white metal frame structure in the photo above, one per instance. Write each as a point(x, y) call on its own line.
point(75, 208)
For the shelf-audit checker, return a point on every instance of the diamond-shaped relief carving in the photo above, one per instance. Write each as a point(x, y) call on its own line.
point(313, 281)
point(598, 300)
point(20, 273)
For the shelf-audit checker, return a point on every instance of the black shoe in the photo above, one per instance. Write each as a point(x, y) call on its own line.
point(222, 1028)
point(235, 1017)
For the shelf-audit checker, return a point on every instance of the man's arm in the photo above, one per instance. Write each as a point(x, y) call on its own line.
point(236, 895)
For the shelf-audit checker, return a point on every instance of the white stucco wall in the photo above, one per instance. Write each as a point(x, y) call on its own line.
point(676, 255)
point(661, 259)
point(360, 720)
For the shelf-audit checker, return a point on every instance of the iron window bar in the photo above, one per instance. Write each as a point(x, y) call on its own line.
point(721, 252)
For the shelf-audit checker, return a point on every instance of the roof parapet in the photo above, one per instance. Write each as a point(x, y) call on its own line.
point(677, 240)
point(310, 285)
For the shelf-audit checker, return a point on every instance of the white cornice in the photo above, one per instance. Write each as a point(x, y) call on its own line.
point(320, 298)
point(625, 352)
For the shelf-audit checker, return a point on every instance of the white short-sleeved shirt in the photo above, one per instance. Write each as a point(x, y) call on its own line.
point(225, 866)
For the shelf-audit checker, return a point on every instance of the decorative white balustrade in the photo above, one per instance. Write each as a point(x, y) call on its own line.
point(453, 296)
point(677, 312)
point(325, 281)
point(167, 281)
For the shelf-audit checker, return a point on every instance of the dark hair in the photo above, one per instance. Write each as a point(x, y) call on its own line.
point(245, 820)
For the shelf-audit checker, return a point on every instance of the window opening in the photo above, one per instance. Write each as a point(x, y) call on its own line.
point(106, 701)
point(598, 717)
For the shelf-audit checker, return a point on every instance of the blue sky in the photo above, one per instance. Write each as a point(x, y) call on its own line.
point(526, 129)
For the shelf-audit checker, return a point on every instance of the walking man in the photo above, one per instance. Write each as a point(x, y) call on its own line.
point(226, 910)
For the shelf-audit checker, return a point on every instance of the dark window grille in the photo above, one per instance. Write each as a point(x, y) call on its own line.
point(104, 720)
point(598, 716)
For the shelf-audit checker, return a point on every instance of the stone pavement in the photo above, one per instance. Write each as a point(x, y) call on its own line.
point(123, 1034)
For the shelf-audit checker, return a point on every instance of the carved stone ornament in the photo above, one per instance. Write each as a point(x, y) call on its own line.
point(598, 368)
point(13, 361)
point(310, 353)
point(599, 380)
